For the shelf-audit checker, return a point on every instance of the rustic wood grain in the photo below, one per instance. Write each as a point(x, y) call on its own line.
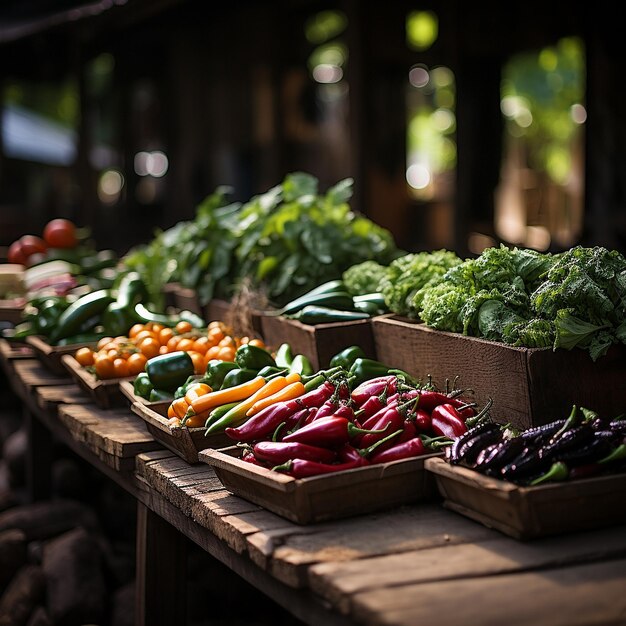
point(340, 582)
point(116, 437)
point(583, 595)
point(31, 374)
point(49, 398)
point(51, 355)
point(13, 350)
point(320, 342)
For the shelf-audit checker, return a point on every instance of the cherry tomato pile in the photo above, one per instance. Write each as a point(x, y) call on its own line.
point(118, 357)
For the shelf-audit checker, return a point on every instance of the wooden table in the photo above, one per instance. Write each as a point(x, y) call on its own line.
point(413, 565)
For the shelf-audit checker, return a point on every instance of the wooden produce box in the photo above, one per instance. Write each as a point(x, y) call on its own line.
point(105, 393)
point(319, 342)
point(330, 496)
point(531, 512)
point(186, 298)
point(183, 441)
point(51, 355)
point(529, 386)
point(11, 310)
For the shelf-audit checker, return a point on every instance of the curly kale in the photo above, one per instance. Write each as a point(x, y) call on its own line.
point(407, 275)
point(364, 277)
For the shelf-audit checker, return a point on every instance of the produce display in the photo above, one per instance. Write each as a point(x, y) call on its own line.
point(338, 424)
point(281, 243)
point(583, 445)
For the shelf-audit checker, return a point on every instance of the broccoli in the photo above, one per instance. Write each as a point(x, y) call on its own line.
point(364, 277)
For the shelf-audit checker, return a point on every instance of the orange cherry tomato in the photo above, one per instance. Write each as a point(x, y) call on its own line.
point(259, 343)
point(212, 353)
point(103, 342)
point(136, 363)
point(201, 345)
point(84, 356)
point(157, 328)
point(144, 334)
point(172, 344)
point(165, 334)
point(183, 327)
point(197, 359)
point(104, 367)
point(216, 334)
point(185, 344)
point(228, 342)
point(135, 329)
point(121, 367)
point(149, 347)
point(226, 353)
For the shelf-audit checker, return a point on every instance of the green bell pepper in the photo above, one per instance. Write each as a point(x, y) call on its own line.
point(253, 357)
point(365, 369)
point(301, 365)
point(283, 357)
point(346, 357)
point(142, 385)
point(238, 376)
point(216, 370)
point(158, 395)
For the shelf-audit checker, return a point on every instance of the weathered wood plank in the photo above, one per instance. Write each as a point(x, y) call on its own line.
point(116, 437)
point(288, 553)
point(340, 582)
point(583, 595)
point(32, 374)
point(49, 398)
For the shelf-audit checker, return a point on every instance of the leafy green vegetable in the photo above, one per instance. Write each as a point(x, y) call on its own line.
point(407, 275)
point(364, 277)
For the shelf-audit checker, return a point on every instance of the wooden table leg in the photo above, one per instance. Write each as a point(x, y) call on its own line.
point(161, 596)
point(38, 458)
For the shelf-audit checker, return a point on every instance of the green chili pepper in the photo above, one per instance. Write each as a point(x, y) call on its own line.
point(315, 314)
point(145, 315)
point(347, 357)
point(558, 471)
point(615, 455)
point(283, 357)
point(270, 371)
point(253, 357)
point(301, 365)
point(364, 369)
point(168, 371)
point(142, 385)
point(237, 377)
point(216, 370)
point(218, 412)
point(158, 395)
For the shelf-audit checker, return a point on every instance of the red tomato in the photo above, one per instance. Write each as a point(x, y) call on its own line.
point(32, 244)
point(16, 254)
point(60, 233)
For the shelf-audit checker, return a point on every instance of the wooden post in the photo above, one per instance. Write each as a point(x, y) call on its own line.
point(38, 458)
point(161, 597)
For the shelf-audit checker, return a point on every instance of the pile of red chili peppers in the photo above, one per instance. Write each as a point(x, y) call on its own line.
point(334, 427)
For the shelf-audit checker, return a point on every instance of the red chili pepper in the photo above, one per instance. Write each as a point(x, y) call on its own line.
point(348, 452)
point(374, 403)
point(302, 468)
point(277, 452)
point(405, 450)
point(328, 408)
point(373, 387)
point(422, 420)
point(311, 417)
point(248, 457)
point(264, 422)
point(327, 431)
point(446, 421)
point(391, 420)
point(316, 397)
point(345, 410)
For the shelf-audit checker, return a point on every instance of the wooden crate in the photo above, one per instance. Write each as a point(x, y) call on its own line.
point(319, 342)
point(51, 355)
point(529, 386)
point(105, 393)
point(186, 298)
point(11, 310)
point(330, 496)
point(531, 512)
point(183, 441)
point(11, 350)
point(128, 391)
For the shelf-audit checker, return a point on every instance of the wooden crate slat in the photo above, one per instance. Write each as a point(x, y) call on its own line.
point(32, 373)
point(49, 398)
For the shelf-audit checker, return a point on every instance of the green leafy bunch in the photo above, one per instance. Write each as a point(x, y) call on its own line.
point(195, 253)
point(292, 238)
point(408, 275)
point(364, 277)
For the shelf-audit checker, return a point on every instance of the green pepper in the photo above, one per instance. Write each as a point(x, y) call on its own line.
point(132, 289)
point(269, 371)
point(218, 412)
point(253, 357)
point(158, 395)
point(347, 357)
point(340, 300)
point(557, 471)
point(168, 371)
point(216, 370)
point(237, 377)
point(301, 365)
point(283, 357)
point(142, 385)
point(324, 315)
point(365, 369)
point(117, 319)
